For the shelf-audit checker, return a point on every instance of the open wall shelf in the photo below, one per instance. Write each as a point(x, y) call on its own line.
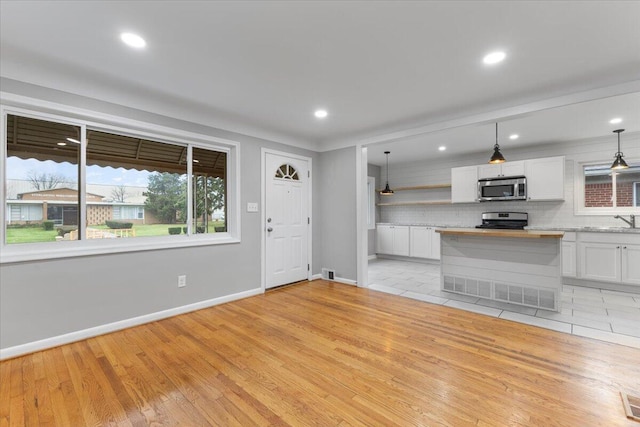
point(420, 187)
point(419, 202)
point(415, 202)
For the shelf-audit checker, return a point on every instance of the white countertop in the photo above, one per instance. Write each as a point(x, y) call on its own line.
point(533, 228)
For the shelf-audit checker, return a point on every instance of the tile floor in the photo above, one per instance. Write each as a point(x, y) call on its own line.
point(594, 313)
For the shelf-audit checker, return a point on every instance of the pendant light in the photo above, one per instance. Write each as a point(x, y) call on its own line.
point(497, 155)
point(619, 162)
point(387, 191)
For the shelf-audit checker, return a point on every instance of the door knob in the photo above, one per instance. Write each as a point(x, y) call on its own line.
point(269, 229)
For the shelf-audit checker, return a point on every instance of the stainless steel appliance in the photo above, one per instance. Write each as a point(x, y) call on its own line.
point(504, 220)
point(503, 188)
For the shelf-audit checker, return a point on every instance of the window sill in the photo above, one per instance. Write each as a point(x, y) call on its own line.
point(606, 211)
point(47, 251)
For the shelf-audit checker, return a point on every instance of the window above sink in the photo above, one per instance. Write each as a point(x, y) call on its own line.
point(599, 190)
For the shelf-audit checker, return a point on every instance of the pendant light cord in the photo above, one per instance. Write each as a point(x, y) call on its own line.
point(618, 144)
point(388, 159)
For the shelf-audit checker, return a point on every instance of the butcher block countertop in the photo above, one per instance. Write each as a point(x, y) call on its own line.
point(518, 234)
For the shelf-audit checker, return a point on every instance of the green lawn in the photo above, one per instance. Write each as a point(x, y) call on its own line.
point(30, 235)
point(38, 234)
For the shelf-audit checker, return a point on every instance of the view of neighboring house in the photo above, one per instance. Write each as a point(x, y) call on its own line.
point(60, 205)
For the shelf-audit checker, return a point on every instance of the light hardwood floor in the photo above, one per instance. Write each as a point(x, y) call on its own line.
point(323, 354)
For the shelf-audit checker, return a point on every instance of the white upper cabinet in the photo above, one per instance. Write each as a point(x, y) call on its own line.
point(464, 184)
point(545, 178)
point(503, 169)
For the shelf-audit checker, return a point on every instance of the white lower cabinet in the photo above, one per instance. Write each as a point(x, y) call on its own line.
point(630, 264)
point(569, 255)
point(600, 261)
point(424, 242)
point(609, 257)
point(384, 239)
point(411, 241)
point(393, 239)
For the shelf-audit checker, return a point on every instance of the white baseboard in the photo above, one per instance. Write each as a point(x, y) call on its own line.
point(336, 279)
point(345, 281)
point(19, 350)
point(370, 257)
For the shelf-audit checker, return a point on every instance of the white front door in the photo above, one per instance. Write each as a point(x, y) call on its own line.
point(287, 219)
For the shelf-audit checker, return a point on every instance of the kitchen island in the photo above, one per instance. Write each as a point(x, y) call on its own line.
point(516, 266)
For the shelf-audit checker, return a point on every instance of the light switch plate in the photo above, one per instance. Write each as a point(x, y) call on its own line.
point(252, 207)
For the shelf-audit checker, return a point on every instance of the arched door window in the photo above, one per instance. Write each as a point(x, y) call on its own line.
point(287, 171)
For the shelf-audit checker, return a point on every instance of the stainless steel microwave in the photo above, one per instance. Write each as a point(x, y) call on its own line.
point(502, 189)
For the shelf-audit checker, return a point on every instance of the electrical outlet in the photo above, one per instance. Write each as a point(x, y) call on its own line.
point(182, 281)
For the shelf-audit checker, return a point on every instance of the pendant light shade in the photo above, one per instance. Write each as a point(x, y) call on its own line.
point(497, 156)
point(387, 190)
point(619, 162)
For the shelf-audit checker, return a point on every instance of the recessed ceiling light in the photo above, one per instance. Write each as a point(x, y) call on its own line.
point(615, 121)
point(494, 57)
point(514, 136)
point(321, 114)
point(75, 141)
point(442, 148)
point(61, 144)
point(133, 40)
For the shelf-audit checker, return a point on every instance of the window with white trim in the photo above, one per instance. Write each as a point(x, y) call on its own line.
point(130, 181)
point(42, 169)
point(601, 190)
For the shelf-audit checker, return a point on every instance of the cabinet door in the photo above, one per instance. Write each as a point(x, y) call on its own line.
point(435, 244)
point(631, 264)
point(513, 168)
point(600, 261)
point(464, 184)
point(384, 239)
point(420, 242)
point(545, 178)
point(401, 240)
point(569, 259)
point(501, 169)
point(489, 171)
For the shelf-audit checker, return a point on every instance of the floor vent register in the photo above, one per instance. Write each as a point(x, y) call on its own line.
point(631, 406)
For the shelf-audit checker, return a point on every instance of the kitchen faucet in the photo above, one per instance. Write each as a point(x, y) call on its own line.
point(631, 221)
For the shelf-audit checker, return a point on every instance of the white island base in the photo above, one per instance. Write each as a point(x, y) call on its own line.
point(518, 267)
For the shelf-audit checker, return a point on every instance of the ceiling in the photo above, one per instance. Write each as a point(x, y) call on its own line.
point(556, 125)
point(262, 67)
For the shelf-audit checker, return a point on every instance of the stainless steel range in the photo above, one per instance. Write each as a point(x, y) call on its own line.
point(504, 220)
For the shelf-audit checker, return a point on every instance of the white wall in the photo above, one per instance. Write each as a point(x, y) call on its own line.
point(44, 299)
point(551, 214)
point(338, 211)
point(374, 171)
